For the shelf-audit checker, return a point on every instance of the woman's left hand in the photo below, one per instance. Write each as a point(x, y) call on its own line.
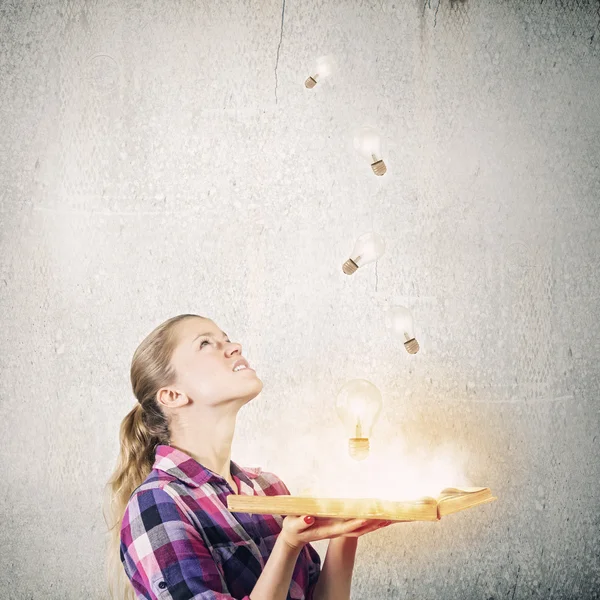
point(373, 525)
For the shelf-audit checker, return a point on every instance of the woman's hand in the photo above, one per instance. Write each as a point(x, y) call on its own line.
point(298, 531)
point(371, 525)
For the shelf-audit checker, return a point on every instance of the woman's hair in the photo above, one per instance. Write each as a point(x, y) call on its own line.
point(144, 427)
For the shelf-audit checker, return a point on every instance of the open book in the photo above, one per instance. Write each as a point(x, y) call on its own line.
point(450, 500)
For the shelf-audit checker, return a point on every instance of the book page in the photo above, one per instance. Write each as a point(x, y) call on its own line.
point(465, 490)
point(453, 499)
point(423, 509)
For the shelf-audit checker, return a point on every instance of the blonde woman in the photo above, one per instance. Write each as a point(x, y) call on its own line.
point(172, 535)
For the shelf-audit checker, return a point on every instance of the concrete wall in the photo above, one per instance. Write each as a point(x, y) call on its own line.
point(164, 157)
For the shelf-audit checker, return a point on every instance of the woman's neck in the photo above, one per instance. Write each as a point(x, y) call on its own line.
point(208, 441)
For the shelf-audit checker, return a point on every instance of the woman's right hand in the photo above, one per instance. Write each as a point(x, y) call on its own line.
point(298, 531)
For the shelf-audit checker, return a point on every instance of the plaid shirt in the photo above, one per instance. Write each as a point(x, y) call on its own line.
point(179, 541)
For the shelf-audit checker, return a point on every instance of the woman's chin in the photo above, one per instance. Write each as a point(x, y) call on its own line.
point(256, 386)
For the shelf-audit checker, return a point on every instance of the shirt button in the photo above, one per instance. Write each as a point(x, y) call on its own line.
point(162, 585)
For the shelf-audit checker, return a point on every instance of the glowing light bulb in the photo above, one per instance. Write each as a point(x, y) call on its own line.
point(358, 405)
point(367, 142)
point(324, 67)
point(367, 249)
point(400, 320)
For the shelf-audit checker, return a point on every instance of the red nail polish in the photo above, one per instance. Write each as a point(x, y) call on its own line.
point(308, 520)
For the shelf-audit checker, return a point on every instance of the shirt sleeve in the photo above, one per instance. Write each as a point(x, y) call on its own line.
point(312, 557)
point(164, 555)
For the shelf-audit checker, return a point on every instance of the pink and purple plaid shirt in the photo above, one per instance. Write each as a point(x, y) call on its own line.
point(179, 541)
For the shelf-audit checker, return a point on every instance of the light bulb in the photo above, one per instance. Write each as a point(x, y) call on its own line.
point(367, 249)
point(358, 405)
point(367, 142)
point(400, 320)
point(324, 67)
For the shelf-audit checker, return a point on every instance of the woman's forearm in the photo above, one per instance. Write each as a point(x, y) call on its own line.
point(274, 581)
point(335, 578)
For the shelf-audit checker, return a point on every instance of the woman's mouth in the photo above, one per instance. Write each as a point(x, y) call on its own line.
point(243, 369)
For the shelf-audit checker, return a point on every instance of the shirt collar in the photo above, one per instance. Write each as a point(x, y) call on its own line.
point(178, 464)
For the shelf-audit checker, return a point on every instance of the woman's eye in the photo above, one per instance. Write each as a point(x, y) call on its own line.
point(206, 342)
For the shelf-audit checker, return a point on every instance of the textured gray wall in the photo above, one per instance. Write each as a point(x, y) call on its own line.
point(164, 157)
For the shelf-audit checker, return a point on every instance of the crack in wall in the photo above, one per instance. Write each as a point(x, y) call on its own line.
point(516, 582)
point(425, 5)
point(278, 48)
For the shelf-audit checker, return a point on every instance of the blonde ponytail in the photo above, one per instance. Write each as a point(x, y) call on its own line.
point(144, 427)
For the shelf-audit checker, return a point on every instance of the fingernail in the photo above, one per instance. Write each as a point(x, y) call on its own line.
point(308, 520)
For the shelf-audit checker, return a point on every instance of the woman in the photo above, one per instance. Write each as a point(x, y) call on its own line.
point(173, 536)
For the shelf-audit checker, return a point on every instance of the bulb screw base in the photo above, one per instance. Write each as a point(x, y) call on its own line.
point(358, 448)
point(379, 168)
point(310, 83)
point(349, 267)
point(412, 346)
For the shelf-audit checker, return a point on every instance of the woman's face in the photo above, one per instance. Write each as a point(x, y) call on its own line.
point(204, 361)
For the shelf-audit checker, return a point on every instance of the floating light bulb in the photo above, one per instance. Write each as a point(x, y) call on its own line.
point(400, 320)
point(358, 405)
point(367, 249)
point(324, 67)
point(367, 142)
